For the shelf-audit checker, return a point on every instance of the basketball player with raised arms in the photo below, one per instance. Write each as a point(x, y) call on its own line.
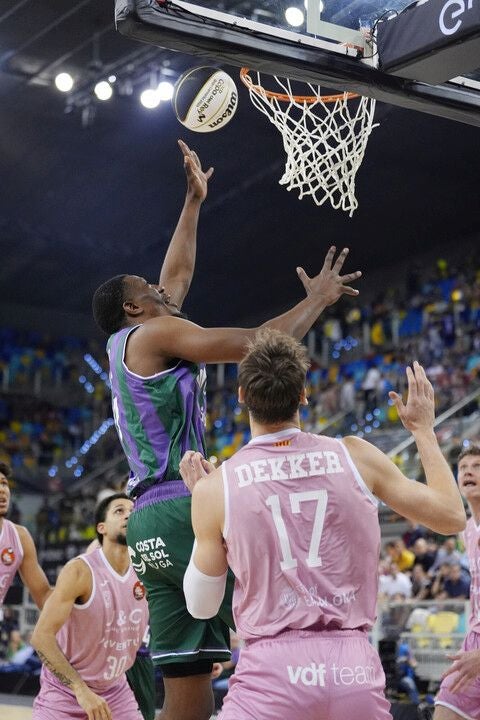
point(17, 550)
point(157, 370)
point(91, 627)
point(459, 694)
point(294, 515)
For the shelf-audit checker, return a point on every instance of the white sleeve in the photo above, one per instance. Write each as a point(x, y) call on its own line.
point(203, 593)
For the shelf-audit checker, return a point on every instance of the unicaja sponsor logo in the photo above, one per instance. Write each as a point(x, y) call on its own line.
point(450, 19)
point(309, 675)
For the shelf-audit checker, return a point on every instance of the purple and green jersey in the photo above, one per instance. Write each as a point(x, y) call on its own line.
point(158, 418)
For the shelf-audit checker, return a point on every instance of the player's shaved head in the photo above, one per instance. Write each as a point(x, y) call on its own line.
point(107, 304)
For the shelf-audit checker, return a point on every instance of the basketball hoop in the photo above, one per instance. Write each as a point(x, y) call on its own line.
point(324, 137)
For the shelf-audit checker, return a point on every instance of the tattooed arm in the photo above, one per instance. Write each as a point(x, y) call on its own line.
point(74, 585)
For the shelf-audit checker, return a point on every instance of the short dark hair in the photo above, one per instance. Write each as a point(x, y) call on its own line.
point(102, 509)
point(469, 450)
point(107, 305)
point(272, 376)
point(6, 470)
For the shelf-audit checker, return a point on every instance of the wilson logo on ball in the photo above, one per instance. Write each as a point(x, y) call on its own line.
point(205, 99)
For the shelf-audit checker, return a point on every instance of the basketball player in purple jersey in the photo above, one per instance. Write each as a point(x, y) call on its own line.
point(17, 550)
point(91, 627)
point(459, 694)
point(157, 371)
point(294, 515)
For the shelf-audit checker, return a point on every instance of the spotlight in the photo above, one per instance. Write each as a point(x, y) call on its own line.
point(64, 82)
point(112, 78)
point(150, 98)
point(294, 16)
point(165, 90)
point(103, 90)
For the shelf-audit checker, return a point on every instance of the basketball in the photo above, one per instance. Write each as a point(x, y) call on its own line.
point(205, 99)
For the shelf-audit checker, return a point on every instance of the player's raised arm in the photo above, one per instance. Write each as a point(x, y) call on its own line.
point(74, 584)
point(438, 504)
point(179, 263)
point(30, 571)
point(173, 337)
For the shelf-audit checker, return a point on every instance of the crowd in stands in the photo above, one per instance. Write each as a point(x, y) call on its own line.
point(54, 393)
point(419, 567)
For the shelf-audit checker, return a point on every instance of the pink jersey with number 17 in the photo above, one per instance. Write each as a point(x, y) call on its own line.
point(302, 536)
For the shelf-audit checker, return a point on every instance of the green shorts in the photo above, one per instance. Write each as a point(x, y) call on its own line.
point(160, 540)
point(141, 678)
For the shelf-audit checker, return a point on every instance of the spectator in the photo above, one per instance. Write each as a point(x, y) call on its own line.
point(398, 553)
point(447, 555)
point(421, 583)
point(453, 583)
point(395, 586)
point(370, 387)
point(411, 535)
point(406, 665)
point(347, 401)
point(423, 555)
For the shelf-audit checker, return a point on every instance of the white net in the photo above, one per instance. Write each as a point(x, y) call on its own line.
point(324, 141)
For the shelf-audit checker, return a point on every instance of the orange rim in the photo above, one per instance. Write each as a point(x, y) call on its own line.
point(283, 97)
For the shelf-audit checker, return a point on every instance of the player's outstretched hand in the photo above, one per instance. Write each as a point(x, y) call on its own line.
point(418, 413)
point(467, 667)
point(329, 283)
point(193, 466)
point(95, 706)
point(197, 179)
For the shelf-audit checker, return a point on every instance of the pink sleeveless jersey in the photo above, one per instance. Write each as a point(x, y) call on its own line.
point(100, 639)
point(472, 539)
point(11, 556)
point(302, 536)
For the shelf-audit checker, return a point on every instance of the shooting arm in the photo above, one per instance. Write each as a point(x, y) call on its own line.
point(179, 263)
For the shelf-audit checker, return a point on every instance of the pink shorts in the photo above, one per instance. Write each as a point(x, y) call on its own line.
point(305, 675)
point(57, 701)
point(465, 703)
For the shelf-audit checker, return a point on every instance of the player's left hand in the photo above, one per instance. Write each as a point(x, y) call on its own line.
point(329, 283)
point(193, 466)
point(467, 667)
point(197, 179)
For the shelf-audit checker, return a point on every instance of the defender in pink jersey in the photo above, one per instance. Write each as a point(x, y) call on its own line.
point(17, 550)
point(91, 627)
point(294, 515)
point(459, 694)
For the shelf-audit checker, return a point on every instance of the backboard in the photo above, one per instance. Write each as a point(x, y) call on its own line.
point(320, 41)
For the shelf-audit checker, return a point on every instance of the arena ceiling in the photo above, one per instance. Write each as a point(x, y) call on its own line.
point(83, 197)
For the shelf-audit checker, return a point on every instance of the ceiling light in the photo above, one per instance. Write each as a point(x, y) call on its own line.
point(103, 90)
point(150, 98)
point(64, 82)
point(294, 16)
